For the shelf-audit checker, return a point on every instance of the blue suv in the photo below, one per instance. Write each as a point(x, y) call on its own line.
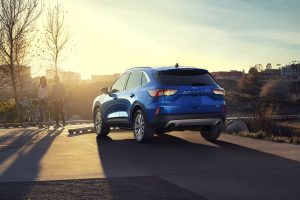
point(158, 100)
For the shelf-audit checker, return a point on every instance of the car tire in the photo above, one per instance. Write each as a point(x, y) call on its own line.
point(142, 131)
point(211, 134)
point(100, 127)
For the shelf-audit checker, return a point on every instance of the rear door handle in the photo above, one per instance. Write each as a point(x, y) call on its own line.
point(132, 95)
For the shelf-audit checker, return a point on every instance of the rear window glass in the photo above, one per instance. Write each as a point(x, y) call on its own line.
point(185, 77)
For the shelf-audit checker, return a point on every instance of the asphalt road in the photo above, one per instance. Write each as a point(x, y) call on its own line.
point(55, 165)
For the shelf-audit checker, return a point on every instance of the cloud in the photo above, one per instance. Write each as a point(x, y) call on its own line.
point(114, 34)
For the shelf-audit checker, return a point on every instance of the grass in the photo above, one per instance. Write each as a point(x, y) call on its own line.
point(287, 131)
point(265, 136)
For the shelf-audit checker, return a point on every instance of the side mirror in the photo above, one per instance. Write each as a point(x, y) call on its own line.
point(104, 91)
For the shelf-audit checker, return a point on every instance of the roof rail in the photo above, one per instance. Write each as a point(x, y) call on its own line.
point(139, 68)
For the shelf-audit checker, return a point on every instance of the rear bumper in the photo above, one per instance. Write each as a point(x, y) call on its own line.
point(188, 121)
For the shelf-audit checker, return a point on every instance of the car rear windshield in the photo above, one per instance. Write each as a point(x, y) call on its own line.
point(185, 77)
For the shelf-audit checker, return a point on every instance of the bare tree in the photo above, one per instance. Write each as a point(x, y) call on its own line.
point(56, 34)
point(17, 20)
point(4, 81)
point(22, 52)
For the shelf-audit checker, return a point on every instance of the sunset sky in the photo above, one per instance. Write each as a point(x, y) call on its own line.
point(112, 35)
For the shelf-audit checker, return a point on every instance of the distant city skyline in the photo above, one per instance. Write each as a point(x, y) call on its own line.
point(110, 36)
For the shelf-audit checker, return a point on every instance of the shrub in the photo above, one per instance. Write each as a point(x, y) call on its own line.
point(7, 112)
point(251, 82)
point(275, 91)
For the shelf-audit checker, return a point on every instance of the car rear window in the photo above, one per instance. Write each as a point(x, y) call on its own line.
point(185, 77)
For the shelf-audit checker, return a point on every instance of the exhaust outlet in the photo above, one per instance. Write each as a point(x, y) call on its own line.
point(219, 123)
point(172, 126)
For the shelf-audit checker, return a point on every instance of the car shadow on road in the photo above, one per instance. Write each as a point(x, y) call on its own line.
point(168, 155)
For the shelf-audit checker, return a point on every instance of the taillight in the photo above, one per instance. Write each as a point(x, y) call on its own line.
point(219, 91)
point(161, 92)
point(157, 111)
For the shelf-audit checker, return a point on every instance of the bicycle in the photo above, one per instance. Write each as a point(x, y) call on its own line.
point(31, 113)
point(48, 115)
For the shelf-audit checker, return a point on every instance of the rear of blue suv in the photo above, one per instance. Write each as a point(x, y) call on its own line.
point(158, 100)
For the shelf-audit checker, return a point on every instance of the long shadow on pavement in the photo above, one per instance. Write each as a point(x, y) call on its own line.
point(10, 134)
point(14, 141)
point(223, 171)
point(26, 164)
point(168, 168)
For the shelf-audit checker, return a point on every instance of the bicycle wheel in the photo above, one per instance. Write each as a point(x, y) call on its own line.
point(43, 121)
point(26, 118)
point(48, 118)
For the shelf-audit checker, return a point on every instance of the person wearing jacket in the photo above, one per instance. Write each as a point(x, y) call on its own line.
point(58, 95)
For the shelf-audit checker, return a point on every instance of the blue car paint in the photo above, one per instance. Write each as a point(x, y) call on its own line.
point(187, 100)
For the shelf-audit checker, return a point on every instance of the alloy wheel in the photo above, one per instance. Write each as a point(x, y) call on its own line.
point(98, 121)
point(139, 127)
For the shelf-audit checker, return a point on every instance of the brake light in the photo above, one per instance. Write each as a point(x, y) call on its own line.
point(219, 91)
point(157, 111)
point(160, 92)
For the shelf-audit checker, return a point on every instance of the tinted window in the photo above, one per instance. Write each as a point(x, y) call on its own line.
point(134, 80)
point(119, 85)
point(185, 77)
point(144, 79)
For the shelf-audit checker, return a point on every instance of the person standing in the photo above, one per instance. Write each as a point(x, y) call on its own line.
point(58, 95)
point(43, 95)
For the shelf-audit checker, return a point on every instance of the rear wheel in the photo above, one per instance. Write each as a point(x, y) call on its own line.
point(212, 133)
point(142, 131)
point(48, 119)
point(26, 118)
point(101, 128)
point(45, 120)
